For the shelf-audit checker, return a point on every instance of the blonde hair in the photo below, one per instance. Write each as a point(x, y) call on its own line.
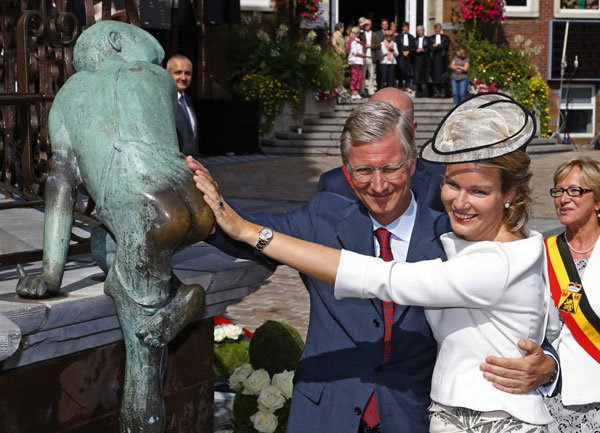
point(355, 31)
point(514, 175)
point(589, 173)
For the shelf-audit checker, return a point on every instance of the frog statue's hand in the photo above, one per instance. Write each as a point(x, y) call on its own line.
point(35, 286)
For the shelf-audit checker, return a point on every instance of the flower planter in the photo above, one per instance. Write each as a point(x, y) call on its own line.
point(290, 118)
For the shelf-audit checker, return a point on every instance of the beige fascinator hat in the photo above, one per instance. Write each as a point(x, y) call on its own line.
point(483, 127)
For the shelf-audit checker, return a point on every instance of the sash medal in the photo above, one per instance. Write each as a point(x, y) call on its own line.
point(569, 296)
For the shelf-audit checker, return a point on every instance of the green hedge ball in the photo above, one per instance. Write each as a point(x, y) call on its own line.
point(229, 355)
point(276, 346)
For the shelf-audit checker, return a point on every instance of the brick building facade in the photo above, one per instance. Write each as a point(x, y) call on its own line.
point(543, 22)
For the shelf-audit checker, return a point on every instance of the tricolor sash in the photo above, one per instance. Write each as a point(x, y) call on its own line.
point(569, 296)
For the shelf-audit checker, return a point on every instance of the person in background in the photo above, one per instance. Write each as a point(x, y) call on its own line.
point(180, 68)
point(384, 26)
point(356, 58)
point(347, 37)
point(421, 63)
point(460, 77)
point(439, 44)
point(388, 60)
point(574, 271)
point(372, 45)
point(394, 28)
point(337, 40)
point(406, 46)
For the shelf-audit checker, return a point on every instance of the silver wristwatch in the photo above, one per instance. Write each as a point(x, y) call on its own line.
point(264, 237)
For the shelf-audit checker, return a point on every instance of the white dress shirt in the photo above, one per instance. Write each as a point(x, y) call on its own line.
point(368, 38)
point(401, 229)
point(480, 302)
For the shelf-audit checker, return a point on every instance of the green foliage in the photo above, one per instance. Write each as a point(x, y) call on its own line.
point(244, 406)
point(275, 347)
point(292, 62)
point(229, 355)
point(271, 94)
point(507, 69)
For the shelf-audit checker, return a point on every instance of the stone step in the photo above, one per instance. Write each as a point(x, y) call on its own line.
point(302, 150)
point(277, 142)
point(540, 149)
point(308, 135)
point(325, 121)
point(317, 128)
point(417, 113)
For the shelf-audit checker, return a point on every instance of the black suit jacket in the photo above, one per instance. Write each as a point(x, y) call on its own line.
point(425, 183)
point(188, 141)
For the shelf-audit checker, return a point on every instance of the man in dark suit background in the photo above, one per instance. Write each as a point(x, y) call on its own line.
point(421, 64)
point(439, 45)
point(180, 68)
point(425, 183)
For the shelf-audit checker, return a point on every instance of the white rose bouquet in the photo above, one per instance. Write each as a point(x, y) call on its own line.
point(264, 386)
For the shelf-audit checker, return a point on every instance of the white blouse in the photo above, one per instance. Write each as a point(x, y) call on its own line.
point(480, 302)
point(580, 372)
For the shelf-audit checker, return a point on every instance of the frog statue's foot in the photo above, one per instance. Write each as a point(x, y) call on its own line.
point(159, 329)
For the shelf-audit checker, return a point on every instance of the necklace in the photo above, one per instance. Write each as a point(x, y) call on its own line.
point(577, 251)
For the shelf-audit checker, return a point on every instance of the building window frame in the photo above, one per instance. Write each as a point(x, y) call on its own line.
point(559, 12)
point(257, 5)
point(530, 10)
point(582, 106)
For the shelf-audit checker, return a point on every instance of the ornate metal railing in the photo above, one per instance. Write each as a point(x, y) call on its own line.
point(36, 46)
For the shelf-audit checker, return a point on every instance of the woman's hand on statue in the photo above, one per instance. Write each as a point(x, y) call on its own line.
point(228, 219)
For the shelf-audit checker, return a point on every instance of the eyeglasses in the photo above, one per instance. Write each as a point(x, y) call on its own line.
point(572, 191)
point(389, 171)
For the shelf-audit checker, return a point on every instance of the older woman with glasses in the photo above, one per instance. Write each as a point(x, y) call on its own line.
point(490, 292)
point(574, 271)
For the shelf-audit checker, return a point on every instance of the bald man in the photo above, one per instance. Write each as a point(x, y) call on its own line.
point(180, 68)
point(425, 183)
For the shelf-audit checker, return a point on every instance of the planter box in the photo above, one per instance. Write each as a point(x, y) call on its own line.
point(288, 118)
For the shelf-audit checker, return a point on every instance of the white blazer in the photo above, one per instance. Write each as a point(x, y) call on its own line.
point(580, 372)
point(480, 302)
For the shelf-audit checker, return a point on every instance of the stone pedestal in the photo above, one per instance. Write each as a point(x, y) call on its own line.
point(62, 359)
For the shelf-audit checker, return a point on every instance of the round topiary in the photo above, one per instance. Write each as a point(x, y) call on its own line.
point(229, 355)
point(275, 346)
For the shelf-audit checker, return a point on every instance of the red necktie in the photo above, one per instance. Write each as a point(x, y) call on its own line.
point(371, 414)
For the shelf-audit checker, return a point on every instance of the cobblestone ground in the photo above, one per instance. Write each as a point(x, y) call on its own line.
point(283, 297)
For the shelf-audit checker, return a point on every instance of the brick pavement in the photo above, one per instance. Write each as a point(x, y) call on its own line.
point(283, 296)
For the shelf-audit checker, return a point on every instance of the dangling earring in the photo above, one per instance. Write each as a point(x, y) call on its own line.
point(506, 204)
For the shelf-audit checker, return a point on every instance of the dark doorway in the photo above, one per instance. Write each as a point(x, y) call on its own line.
point(351, 10)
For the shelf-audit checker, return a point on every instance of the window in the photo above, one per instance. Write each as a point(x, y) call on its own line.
point(522, 8)
point(576, 9)
point(578, 110)
point(255, 5)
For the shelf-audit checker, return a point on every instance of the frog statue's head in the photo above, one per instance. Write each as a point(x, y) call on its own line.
point(113, 38)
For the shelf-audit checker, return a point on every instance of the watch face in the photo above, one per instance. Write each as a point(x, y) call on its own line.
point(266, 233)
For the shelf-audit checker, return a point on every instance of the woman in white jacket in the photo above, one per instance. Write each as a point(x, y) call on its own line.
point(574, 271)
point(490, 292)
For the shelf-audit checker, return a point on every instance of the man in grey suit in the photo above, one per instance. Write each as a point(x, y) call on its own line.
point(180, 68)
